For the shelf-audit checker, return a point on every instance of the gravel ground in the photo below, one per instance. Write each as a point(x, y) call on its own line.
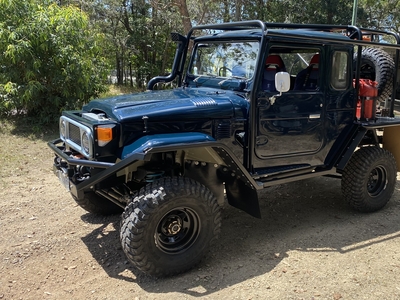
point(308, 245)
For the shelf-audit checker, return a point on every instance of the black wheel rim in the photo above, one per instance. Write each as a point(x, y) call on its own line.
point(377, 181)
point(368, 72)
point(177, 230)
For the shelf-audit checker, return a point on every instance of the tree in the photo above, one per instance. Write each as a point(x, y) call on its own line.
point(51, 59)
point(380, 14)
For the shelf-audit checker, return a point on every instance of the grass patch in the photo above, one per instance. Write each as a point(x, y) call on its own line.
point(27, 128)
point(115, 90)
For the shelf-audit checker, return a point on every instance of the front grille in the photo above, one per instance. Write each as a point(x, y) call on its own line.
point(74, 134)
point(72, 137)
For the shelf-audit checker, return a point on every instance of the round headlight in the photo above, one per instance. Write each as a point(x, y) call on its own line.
point(63, 129)
point(85, 142)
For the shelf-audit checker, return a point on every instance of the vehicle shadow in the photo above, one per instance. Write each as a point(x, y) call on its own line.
point(23, 126)
point(308, 215)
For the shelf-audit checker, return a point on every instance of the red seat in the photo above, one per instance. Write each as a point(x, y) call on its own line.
point(273, 65)
point(307, 79)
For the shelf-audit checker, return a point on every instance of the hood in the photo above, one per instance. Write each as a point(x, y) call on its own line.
point(181, 104)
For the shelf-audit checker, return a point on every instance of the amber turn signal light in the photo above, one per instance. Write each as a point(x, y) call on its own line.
point(104, 135)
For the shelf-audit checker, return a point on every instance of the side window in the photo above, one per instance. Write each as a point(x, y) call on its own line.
point(339, 80)
point(302, 64)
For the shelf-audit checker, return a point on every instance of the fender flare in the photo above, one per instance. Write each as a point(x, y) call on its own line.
point(345, 146)
point(149, 143)
point(241, 188)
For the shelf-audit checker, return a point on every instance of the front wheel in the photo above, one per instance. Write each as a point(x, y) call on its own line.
point(169, 226)
point(369, 179)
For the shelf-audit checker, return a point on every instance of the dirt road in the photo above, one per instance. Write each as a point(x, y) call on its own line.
point(309, 244)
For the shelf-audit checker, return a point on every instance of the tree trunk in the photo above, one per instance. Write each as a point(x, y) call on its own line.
point(226, 11)
point(238, 10)
point(131, 74)
point(120, 71)
point(183, 9)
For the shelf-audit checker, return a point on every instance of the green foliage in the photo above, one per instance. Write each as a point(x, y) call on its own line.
point(55, 57)
point(137, 32)
point(51, 59)
point(383, 14)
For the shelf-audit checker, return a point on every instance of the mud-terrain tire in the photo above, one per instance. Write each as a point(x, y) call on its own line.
point(169, 226)
point(378, 65)
point(98, 205)
point(369, 178)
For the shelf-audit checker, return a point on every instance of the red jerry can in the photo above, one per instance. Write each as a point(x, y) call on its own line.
point(368, 91)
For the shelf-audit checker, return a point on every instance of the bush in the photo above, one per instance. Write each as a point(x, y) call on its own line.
point(51, 59)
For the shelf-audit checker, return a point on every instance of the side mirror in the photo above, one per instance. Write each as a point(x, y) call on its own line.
point(282, 82)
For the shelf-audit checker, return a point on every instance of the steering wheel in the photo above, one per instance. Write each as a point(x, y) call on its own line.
point(222, 71)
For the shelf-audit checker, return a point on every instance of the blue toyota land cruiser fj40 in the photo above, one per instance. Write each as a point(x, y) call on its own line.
point(256, 104)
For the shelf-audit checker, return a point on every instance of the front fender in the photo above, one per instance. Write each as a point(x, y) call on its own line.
point(149, 142)
point(207, 161)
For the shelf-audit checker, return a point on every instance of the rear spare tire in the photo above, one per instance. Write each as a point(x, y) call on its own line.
point(378, 65)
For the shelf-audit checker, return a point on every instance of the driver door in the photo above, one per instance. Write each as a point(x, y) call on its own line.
point(290, 125)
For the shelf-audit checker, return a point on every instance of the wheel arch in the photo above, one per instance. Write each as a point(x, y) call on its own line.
point(201, 158)
point(344, 146)
point(358, 137)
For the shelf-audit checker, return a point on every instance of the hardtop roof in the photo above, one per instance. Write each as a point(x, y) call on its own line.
point(348, 34)
point(252, 33)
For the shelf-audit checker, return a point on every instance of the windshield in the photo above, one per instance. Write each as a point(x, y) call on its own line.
point(225, 59)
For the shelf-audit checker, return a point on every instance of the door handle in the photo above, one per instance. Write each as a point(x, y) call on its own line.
point(314, 116)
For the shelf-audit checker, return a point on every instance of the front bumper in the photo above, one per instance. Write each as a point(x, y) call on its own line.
point(59, 151)
point(64, 164)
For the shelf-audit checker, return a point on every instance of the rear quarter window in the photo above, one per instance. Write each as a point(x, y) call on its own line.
point(339, 75)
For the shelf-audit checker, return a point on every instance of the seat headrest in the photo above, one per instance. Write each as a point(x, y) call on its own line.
point(314, 60)
point(276, 60)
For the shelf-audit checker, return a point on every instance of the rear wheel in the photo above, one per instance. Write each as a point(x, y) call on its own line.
point(369, 179)
point(169, 226)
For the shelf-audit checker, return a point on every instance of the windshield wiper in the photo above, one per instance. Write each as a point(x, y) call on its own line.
point(204, 75)
point(231, 77)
